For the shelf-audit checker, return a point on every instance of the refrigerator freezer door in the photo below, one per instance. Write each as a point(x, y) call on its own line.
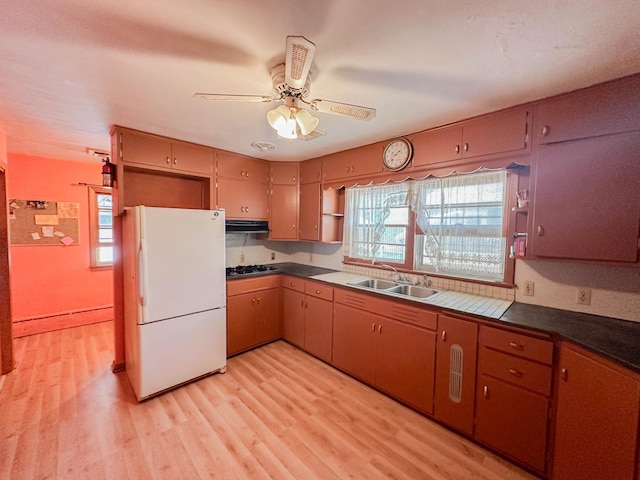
point(180, 262)
point(165, 354)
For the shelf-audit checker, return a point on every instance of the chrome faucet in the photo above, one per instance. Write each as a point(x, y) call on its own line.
point(425, 280)
point(396, 275)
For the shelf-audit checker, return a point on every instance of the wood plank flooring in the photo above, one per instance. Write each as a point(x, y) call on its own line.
point(277, 413)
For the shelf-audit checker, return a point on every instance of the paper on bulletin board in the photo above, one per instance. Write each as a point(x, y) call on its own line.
point(43, 222)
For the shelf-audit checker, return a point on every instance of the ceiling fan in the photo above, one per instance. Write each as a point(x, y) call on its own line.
point(291, 82)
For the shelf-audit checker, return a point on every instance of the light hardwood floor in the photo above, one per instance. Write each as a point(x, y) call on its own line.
point(277, 413)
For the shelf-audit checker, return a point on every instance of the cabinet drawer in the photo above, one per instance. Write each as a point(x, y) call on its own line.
point(293, 283)
point(319, 290)
point(516, 344)
point(237, 287)
point(518, 371)
point(416, 316)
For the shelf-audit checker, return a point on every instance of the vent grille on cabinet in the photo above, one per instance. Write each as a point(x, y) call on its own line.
point(455, 373)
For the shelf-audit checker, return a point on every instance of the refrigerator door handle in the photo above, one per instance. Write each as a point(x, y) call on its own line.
point(142, 273)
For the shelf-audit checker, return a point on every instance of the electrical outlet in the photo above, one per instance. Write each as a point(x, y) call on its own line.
point(584, 296)
point(242, 258)
point(528, 288)
point(273, 255)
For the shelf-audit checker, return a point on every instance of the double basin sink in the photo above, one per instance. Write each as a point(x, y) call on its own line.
point(385, 286)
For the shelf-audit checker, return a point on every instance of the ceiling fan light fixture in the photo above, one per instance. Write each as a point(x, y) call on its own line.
point(306, 121)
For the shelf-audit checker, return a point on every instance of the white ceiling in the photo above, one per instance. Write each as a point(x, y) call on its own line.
point(70, 69)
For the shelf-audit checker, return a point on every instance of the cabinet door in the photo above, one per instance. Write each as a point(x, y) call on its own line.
point(586, 203)
point(601, 110)
point(354, 336)
point(456, 372)
point(283, 214)
point(284, 173)
point(243, 168)
point(405, 365)
point(513, 421)
point(243, 200)
point(596, 420)
point(310, 211)
point(437, 146)
point(241, 324)
point(293, 309)
point(353, 163)
point(318, 327)
point(146, 150)
point(192, 158)
point(311, 171)
point(267, 310)
point(495, 133)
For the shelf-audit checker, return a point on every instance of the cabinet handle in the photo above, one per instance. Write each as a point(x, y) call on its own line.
point(466, 147)
point(546, 130)
point(246, 209)
point(540, 231)
point(515, 372)
point(317, 292)
point(457, 149)
point(253, 300)
point(293, 226)
point(169, 160)
point(380, 328)
point(564, 374)
point(302, 303)
point(485, 391)
point(444, 335)
point(175, 161)
point(315, 227)
point(292, 284)
point(258, 300)
point(515, 345)
point(242, 173)
point(373, 327)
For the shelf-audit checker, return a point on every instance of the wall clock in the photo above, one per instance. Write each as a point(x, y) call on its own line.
point(397, 154)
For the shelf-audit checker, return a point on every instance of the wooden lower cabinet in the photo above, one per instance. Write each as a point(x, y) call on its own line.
point(394, 356)
point(455, 382)
point(596, 425)
point(253, 319)
point(293, 316)
point(318, 327)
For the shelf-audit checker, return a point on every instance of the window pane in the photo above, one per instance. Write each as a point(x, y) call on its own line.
point(105, 235)
point(105, 254)
point(104, 201)
point(105, 219)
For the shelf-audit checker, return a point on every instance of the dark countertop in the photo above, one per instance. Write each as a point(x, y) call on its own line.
point(617, 340)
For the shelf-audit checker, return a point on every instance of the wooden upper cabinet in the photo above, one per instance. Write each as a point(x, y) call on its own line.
point(493, 134)
point(600, 110)
point(284, 173)
point(243, 168)
point(161, 153)
point(586, 204)
point(283, 212)
point(311, 171)
point(596, 429)
point(242, 199)
point(437, 146)
point(310, 210)
point(496, 133)
point(357, 162)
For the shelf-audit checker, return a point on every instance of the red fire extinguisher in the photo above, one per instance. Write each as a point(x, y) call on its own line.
point(108, 173)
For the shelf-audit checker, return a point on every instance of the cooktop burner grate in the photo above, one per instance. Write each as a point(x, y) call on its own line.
point(249, 269)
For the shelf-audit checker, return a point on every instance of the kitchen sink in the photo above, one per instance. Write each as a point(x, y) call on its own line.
point(413, 291)
point(374, 283)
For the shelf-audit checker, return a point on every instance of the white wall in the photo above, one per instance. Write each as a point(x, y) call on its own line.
point(253, 249)
point(615, 291)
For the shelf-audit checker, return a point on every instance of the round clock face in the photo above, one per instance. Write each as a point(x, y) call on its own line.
point(397, 154)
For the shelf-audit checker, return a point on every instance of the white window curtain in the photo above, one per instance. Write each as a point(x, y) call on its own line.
point(461, 221)
point(366, 209)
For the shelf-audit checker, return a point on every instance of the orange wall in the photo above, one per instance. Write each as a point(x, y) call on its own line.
point(48, 280)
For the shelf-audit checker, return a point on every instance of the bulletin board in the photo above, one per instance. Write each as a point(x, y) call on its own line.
point(43, 222)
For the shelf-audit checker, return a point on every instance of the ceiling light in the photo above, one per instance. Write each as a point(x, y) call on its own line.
point(288, 119)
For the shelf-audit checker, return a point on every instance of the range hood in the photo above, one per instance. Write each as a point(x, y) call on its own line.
point(246, 226)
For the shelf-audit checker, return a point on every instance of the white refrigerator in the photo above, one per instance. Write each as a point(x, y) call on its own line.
point(174, 296)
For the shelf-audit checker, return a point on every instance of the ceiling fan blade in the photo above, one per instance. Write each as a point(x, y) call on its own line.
point(233, 98)
point(344, 109)
point(300, 53)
